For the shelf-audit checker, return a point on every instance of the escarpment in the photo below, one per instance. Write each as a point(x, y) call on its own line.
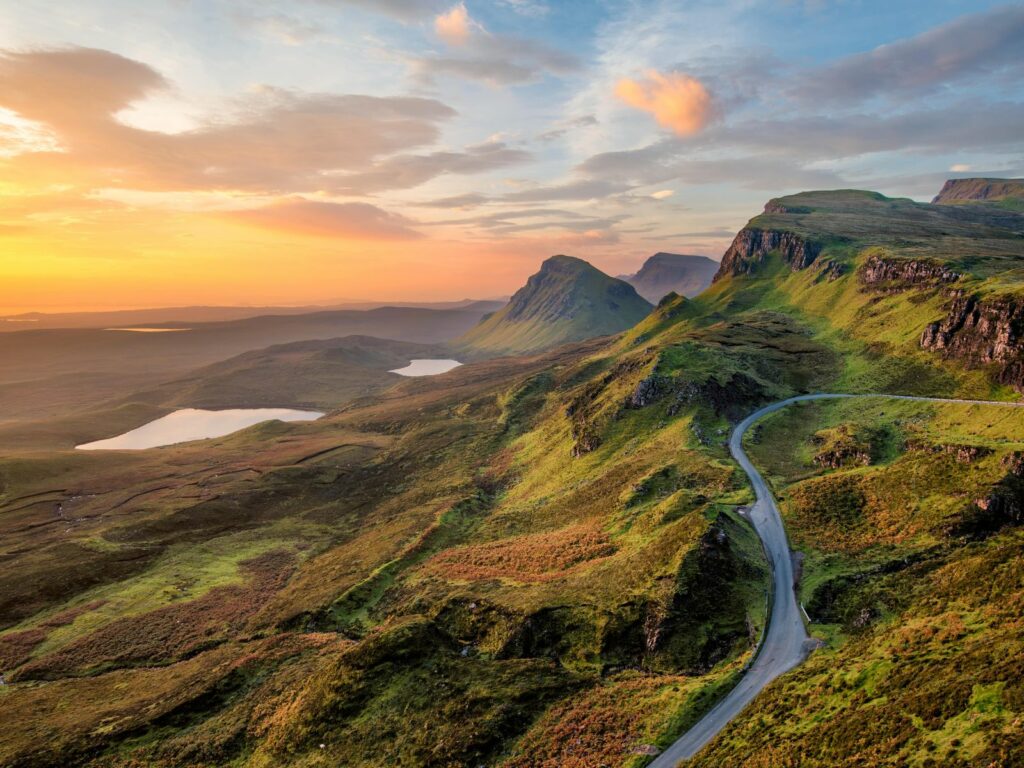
point(970, 190)
point(890, 275)
point(751, 246)
point(980, 332)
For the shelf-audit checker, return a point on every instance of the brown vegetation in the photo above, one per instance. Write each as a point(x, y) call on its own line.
point(535, 557)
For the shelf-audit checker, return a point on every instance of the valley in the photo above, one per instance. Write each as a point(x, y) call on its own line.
point(551, 553)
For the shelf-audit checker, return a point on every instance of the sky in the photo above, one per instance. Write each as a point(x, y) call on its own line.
point(250, 152)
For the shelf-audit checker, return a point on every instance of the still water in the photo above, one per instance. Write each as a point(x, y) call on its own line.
point(195, 424)
point(427, 367)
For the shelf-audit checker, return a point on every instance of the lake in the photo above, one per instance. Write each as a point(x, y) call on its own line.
point(195, 424)
point(149, 330)
point(427, 367)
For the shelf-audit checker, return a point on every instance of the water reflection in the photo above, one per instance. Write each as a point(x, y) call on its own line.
point(195, 424)
point(427, 367)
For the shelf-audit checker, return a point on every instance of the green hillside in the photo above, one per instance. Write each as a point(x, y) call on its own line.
point(567, 300)
point(543, 561)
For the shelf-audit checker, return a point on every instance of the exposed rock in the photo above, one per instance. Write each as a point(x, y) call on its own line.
point(1014, 463)
point(645, 749)
point(838, 458)
point(700, 594)
point(587, 413)
point(777, 206)
point(964, 454)
point(831, 270)
point(982, 332)
point(648, 391)
point(962, 190)
point(1003, 506)
point(730, 399)
point(891, 275)
point(751, 246)
point(586, 442)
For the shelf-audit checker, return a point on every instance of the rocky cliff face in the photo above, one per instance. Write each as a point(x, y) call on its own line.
point(750, 246)
point(982, 332)
point(964, 190)
point(890, 275)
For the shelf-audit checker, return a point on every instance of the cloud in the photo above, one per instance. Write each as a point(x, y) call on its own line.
point(283, 28)
point(497, 60)
point(582, 189)
point(676, 100)
point(531, 8)
point(490, 70)
point(404, 10)
point(278, 141)
point(960, 168)
point(73, 85)
point(567, 126)
point(323, 219)
point(454, 26)
point(469, 200)
point(758, 153)
point(405, 171)
point(993, 126)
point(662, 194)
point(978, 44)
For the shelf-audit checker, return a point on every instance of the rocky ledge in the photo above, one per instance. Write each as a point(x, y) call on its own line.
point(891, 275)
point(750, 247)
point(982, 332)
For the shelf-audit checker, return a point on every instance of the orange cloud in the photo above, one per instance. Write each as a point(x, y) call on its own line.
point(676, 100)
point(352, 221)
point(454, 26)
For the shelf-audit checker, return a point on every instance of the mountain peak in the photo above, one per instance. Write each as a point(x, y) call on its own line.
point(664, 273)
point(568, 299)
point(561, 261)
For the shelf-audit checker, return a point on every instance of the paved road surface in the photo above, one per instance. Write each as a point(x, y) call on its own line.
point(786, 644)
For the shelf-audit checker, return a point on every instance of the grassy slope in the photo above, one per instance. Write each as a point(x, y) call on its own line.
point(530, 561)
point(922, 615)
point(568, 300)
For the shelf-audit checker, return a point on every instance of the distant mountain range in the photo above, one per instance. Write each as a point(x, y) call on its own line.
point(216, 314)
point(567, 300)
point(666, 273)
point(539, 560)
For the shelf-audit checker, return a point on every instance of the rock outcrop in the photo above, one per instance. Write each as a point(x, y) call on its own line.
point(980, 332)
point(567, 300)
point(841, 447)
point(965, 190)
point(891, 275)
point(963, 454)
point(750, 247)
point(775, 205)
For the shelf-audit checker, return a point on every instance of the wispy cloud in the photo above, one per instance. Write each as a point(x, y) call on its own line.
point(498, 60)
point(281, 141)
point(352, 221)
point(978, 44)
point(404, 10)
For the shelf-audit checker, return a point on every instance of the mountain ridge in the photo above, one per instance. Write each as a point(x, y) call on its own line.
point(566, 300)
point(664, 273)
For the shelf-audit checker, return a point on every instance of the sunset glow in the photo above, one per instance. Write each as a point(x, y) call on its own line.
point(396, 150)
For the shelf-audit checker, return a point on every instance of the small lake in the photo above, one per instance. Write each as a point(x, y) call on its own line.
point(427, 367)
point(149, 330)
point(195, 424)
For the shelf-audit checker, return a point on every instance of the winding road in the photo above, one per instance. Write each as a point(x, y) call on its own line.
point(786, 643)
